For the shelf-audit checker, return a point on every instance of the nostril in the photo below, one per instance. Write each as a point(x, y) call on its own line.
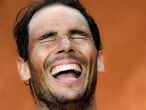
point(65, 51)
point(71, 50)
point(61, 51)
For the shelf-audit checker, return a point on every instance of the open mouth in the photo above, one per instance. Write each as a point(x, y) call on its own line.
point(66, 71)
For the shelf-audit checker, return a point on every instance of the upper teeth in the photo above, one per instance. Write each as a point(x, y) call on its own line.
point(65, 67)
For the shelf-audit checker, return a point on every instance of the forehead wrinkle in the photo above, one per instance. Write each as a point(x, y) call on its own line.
point(52, 12)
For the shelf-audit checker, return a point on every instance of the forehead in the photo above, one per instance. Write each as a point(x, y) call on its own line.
point(54, 13)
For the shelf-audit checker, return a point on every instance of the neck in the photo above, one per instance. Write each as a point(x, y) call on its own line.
point(80, 105)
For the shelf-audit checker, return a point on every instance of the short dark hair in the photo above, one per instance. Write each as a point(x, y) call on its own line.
point(21, 25)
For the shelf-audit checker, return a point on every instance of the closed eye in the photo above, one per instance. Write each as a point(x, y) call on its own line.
point(78, 34)
point(48, 37)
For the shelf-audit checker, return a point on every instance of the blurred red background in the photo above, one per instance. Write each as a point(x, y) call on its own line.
point(122, 25)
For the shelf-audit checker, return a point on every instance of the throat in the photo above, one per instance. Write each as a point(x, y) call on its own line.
point(78, 105)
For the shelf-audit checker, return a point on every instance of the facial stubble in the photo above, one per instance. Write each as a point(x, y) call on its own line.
point(42, 93)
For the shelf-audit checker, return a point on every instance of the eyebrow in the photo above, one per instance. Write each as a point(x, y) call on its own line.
point(45, 36)
point(76, 31)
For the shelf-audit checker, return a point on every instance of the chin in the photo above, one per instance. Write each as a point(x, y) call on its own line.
point(69, 96)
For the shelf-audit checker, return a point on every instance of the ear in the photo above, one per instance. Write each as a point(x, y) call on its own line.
point(100, 62)
point(23, 69)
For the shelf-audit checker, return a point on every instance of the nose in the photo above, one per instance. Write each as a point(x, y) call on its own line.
point(65, 45)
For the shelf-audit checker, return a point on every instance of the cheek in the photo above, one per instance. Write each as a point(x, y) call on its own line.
point(38, 55)
point(89, 50)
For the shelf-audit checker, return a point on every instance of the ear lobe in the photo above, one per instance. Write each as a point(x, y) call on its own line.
point(23, 69)
point(100, 62)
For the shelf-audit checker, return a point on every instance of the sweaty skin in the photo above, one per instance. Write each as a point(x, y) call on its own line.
point(61, 44)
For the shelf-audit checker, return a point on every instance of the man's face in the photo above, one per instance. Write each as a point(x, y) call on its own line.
point(62, 54)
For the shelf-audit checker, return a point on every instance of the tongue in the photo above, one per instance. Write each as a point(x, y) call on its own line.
point(66, 77)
